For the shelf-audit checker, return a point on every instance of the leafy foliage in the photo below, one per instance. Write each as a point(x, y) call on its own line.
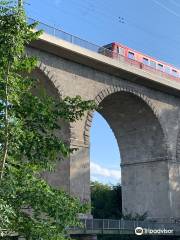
point(28, 143)
point(106, 201)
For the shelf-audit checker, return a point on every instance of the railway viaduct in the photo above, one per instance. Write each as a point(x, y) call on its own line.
point(143, 111)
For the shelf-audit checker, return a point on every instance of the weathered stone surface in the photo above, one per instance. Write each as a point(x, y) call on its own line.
point(145, 122)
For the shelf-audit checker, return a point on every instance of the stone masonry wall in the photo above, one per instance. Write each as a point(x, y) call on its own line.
point(145, 123)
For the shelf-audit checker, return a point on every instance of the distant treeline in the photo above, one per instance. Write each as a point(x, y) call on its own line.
point(106, 201)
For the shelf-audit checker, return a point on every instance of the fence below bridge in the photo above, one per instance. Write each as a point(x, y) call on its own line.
point(114, 227)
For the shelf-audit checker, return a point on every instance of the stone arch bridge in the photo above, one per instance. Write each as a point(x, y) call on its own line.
point(141, 107)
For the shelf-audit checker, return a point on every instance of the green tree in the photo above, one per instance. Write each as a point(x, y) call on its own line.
point(28, 143)
point(106, 201)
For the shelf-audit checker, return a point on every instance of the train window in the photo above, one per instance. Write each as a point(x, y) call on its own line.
point(120, 50)
point(108, 46)
point(167, 69)
point(174, 73)
point(145, 61)
point(131, 55)
point(152, 64)
point(160, 66)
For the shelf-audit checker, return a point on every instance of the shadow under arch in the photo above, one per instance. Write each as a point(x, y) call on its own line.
point(142, 141)
point(46, 81)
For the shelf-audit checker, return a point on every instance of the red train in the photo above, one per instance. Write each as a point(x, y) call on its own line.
point(117, 50)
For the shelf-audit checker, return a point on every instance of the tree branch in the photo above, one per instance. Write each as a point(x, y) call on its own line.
point(6, 125)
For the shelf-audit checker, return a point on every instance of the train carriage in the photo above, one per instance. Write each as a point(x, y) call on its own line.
point(117, 50)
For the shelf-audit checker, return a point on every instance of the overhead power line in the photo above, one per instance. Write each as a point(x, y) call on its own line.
point(84, 11)
point(166, 8)
point(103, 16)
point(175, 3)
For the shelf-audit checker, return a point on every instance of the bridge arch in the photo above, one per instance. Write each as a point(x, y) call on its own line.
point(115, 89)
point(144, 169)
point(143, 145)
point(51, 79)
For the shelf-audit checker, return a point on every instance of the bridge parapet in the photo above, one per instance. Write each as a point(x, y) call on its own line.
point(58, 33)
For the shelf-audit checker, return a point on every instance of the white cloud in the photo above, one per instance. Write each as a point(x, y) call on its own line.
point(98, 170)
point(94, 178)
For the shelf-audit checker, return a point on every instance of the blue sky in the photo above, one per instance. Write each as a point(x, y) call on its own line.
point(150, 26)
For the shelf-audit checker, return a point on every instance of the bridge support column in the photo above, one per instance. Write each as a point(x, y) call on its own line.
point(148, 183)
point(80, 172)
point(174, 189)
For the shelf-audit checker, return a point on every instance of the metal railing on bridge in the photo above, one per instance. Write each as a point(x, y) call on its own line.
point(103, 226)
point(126, 224)
point(98, 49)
